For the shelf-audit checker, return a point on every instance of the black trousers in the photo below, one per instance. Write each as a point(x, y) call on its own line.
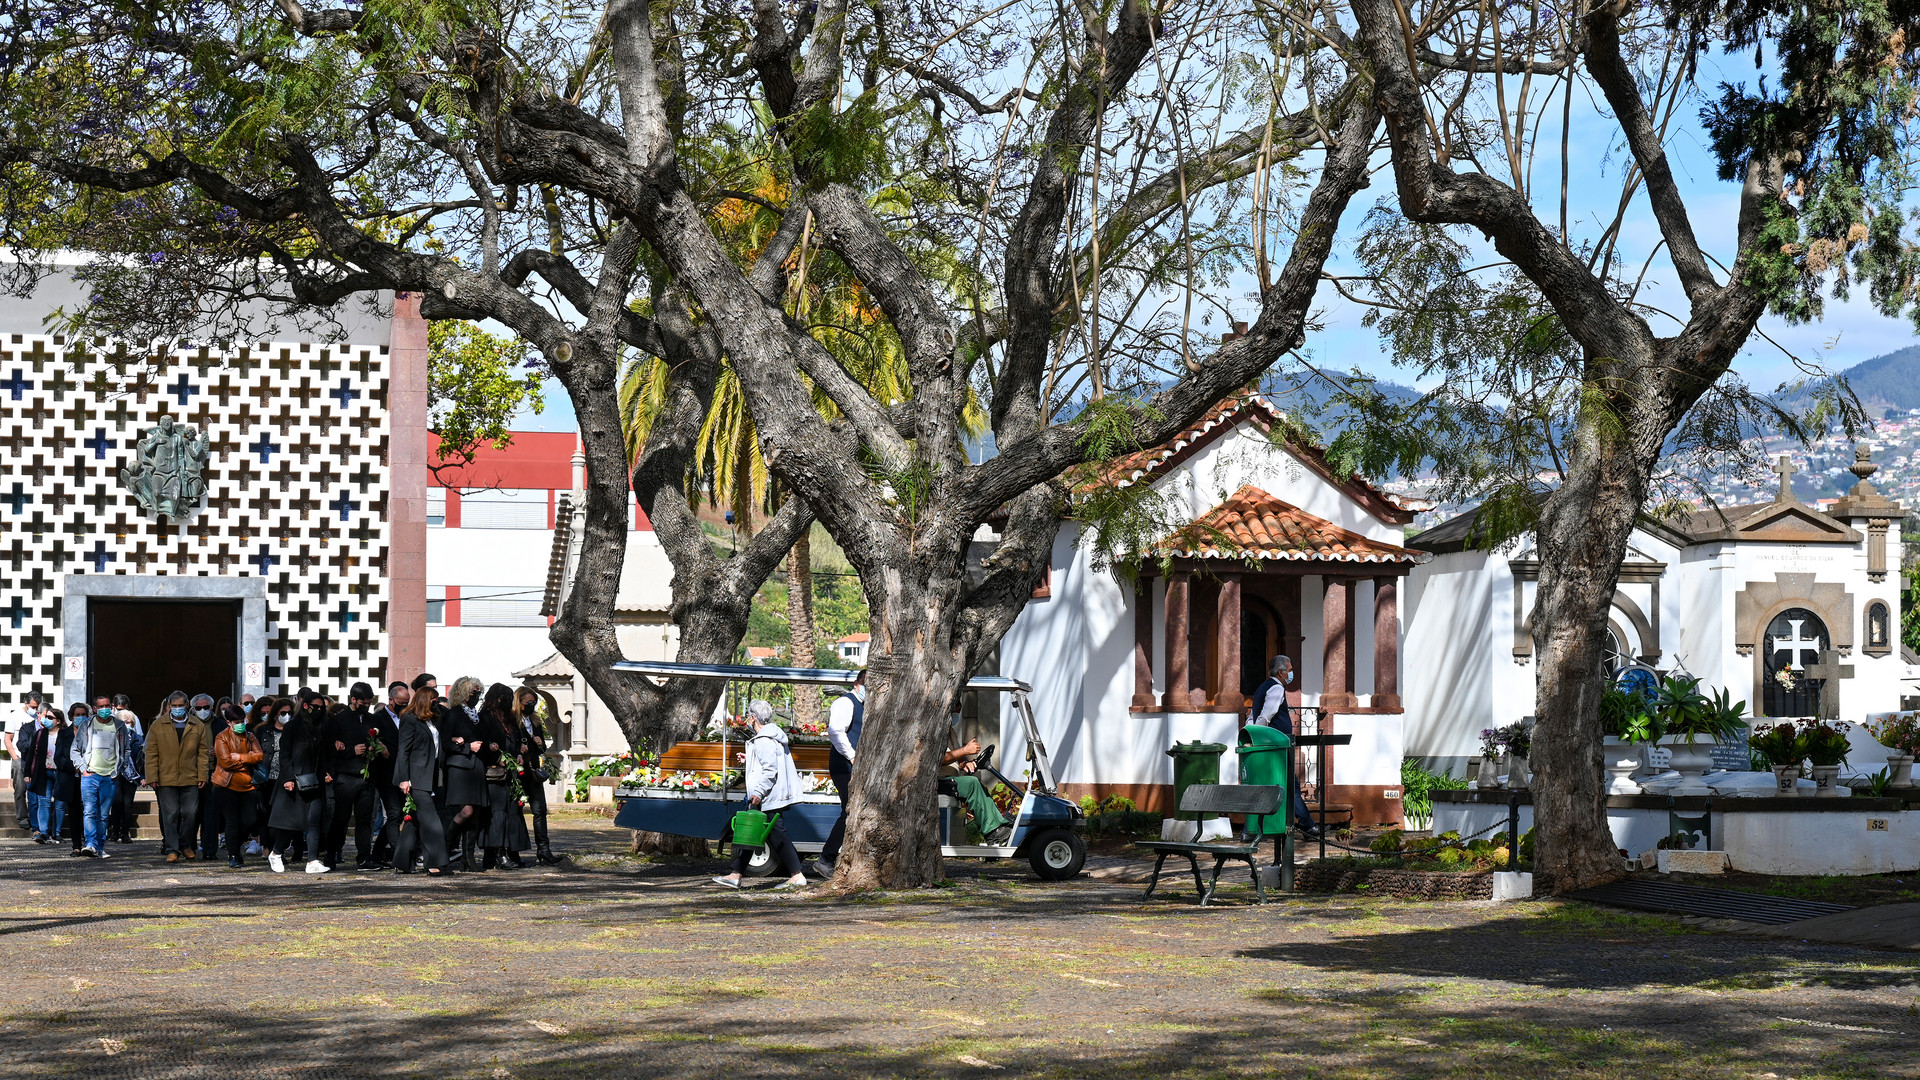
point(179, 810)
point(841, 781)
point(388, 842)
point(425, 835)
point(537, 806)
point(76, 821)
point(237, 810)
point(352, 797)
point(120, 818)
point(212, 823)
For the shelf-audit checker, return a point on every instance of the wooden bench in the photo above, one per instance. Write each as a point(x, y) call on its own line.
point(1214, 800)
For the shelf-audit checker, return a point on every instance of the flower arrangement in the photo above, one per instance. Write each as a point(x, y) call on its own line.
point(1827, 742)
point(1787, 678)
point(1783, 745)
point(1899, 732)
point(1513, 739)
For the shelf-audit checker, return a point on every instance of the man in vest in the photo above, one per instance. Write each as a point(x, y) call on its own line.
point(844, 720)
point(1270, 708)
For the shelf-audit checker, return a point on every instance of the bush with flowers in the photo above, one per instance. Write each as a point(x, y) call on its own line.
point(1899, 732)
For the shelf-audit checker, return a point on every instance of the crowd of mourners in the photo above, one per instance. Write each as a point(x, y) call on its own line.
point(422, 781)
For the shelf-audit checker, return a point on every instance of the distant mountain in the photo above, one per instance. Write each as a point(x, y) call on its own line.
point(1890, 381)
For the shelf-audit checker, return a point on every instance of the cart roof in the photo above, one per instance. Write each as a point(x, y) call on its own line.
point(662, 669)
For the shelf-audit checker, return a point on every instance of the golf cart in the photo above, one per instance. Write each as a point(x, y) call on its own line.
point(1043, 826)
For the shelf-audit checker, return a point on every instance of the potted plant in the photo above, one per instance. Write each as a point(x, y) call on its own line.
point(1900, 734)
point(1784, 748)
point(1688, 716)
point(1489, 755)
point(1516, 742)
point(1629, 727)
point(1827, 749)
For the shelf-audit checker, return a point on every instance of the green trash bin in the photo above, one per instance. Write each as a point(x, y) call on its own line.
point(1264, 754)
point(1194, 763)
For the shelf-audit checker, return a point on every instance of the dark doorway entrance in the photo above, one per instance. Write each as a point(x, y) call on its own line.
point(146, 649)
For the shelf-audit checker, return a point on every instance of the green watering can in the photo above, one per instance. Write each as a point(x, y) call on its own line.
point(750, 828)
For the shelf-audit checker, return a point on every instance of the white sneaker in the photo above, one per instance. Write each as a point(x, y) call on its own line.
point(278, 864)
point(797, 881)
point(317, 867)
point(729, 882)
point(102, 853)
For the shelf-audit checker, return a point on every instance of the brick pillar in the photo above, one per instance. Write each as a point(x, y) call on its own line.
point(1178, 650)
point(1337, 653)
point(407, 490)
point(1143, 644)
point(1386, 643)
point(1227, 641)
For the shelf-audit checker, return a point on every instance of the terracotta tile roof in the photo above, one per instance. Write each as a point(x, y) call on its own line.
point(1131, 468)
point(1252, 524)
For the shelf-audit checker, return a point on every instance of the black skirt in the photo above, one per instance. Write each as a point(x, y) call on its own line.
point(465, 787)
point(506, 825)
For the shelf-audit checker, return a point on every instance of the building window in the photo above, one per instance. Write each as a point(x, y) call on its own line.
point(501, 605)
point(1879, 633)
point(504, 508)
point(436, 605)
point(436, 507)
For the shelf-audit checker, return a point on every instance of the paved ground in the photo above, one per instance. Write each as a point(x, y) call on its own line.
point(616, 968)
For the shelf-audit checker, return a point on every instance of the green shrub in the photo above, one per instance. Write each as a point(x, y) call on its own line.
point(1387, 842)
point(1417, 786)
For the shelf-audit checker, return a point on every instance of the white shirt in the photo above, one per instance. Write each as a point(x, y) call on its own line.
point(1270, 708)
point(840, 721)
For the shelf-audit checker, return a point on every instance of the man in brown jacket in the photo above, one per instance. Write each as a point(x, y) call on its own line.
point(179, 753)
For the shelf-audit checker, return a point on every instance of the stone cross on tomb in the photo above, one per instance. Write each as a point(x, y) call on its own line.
point(1798, 645)
point(1830, 671)
point(1785, 468)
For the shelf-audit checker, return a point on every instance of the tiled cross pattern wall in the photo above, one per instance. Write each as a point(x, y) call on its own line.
point(296, 493)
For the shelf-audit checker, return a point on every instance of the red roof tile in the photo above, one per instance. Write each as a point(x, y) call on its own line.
point(1252, 524)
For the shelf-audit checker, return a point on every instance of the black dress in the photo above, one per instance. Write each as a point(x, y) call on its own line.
point(506, 824)
point(297, 751)
point(466, 779)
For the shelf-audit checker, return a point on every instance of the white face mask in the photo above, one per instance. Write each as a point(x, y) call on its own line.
point(202, 713)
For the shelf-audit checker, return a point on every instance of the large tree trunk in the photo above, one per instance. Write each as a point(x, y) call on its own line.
point(893, 839)
point(800, 652)
point(1583, 533)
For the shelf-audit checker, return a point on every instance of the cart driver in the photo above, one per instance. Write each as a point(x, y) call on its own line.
point(968, 788)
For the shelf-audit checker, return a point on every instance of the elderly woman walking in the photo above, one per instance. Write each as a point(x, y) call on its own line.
point(773, 784)
point(465, 800)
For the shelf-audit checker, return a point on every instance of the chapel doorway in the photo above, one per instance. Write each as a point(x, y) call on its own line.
point(1795, 638)
point(1262, 637)
point(146, 649)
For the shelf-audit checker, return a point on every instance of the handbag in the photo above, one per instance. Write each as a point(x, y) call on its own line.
point(496, 774)
point(307, 783)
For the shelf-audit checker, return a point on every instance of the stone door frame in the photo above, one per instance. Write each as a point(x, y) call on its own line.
point(79, 589)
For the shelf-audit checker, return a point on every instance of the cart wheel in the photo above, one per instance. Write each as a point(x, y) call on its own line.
point(1057, 854)
point(761, 863)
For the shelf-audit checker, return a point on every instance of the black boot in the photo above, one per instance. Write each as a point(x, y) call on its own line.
point(456, 855)
point(490, 859)
point(469, 857)
point(543, 854)
point(513, 859)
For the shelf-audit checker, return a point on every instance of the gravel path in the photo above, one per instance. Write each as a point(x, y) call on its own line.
point(613, 967)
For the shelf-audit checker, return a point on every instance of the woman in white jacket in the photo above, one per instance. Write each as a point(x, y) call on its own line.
point(773, 784)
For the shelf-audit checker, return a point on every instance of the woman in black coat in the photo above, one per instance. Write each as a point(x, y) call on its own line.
point(506, 833)
point(465, 799)
point(299, 806)
point(56, 779)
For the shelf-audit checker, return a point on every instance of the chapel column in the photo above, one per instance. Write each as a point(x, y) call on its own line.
point(1143, 643)
point(1337, 650)
point(1227, 641)
point(1386, 643)
point(1178, 650)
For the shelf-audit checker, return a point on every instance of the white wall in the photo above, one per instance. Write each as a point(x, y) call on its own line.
point(1448, 651)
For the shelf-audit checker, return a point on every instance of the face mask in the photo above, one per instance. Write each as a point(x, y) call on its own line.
point(1289, 676)
point(179, 712)
point(202, 713)
point(247, 707)
point(240, 728)
point(103, 713)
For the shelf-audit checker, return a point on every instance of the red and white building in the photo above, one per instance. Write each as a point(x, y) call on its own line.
point(502, 546)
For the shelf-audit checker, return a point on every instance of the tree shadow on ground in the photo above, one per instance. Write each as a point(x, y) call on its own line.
point(1641, 952)
point(727, 1034)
